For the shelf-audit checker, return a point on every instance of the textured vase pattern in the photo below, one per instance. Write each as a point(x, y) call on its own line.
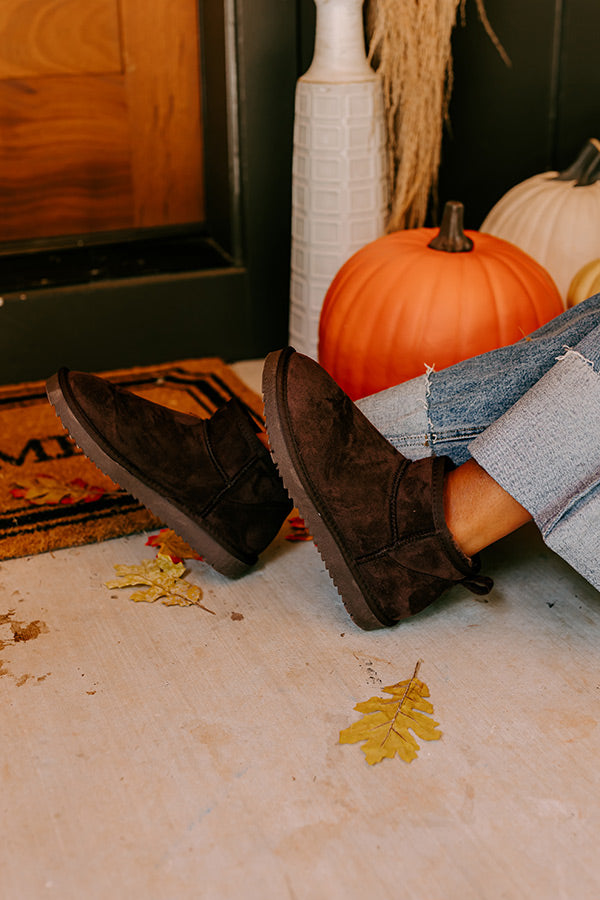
point(339, 191)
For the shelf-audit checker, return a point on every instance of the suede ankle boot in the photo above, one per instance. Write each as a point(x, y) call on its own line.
point(211, 480)
point(377, 518)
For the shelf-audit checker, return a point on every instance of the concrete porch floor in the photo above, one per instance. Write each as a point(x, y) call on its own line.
point(166, 753)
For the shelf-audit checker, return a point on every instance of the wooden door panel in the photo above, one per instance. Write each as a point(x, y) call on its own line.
point(41, 37)
point(101, 130)
point(163, 93)
point(65, 160)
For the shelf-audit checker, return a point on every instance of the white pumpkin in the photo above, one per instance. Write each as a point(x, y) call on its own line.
point(585, 283)
point(554, 217)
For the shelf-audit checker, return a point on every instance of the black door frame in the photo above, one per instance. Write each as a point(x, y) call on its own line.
point(236, 306)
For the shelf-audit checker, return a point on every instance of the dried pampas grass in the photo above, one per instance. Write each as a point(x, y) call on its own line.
point(410, 46)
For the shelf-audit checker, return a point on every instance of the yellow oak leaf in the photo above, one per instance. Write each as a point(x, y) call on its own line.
point(387, 723)
point(163, 578)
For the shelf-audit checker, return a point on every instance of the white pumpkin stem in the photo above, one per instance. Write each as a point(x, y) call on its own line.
point(586, 168)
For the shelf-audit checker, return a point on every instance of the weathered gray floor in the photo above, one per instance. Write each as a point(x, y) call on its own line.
point(155, 752)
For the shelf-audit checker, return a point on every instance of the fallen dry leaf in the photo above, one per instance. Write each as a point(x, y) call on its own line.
point(386, 723)
point(46, 490)
point(299, 531)
point(163, 578)
point(170, 544)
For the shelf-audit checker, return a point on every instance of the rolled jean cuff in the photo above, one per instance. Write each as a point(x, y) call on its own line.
point(545, 452)
point(401, 415)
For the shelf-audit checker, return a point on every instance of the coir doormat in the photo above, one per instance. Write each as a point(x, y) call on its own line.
point(51, 495)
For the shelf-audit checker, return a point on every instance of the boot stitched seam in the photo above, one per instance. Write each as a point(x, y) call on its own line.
point(331, 524)
point(197, 517)
point(228, 485)
point(213, 457)
point(397, 545)
point(399, 475)
point(200, 517)
point(445, 579)
point(255, 454)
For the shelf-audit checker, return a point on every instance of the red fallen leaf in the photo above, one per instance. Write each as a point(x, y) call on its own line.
point(170, 544)
point(91, 492)
point(299, 530)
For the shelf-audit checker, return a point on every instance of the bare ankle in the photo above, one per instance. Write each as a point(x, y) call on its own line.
point(478, 511)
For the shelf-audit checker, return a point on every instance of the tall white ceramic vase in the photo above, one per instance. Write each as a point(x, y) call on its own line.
point(339, 183)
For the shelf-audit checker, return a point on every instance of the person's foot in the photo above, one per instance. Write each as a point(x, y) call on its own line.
point(377, 518)
point(211, 480)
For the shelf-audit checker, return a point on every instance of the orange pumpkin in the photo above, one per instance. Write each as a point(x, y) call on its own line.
point(417, 298)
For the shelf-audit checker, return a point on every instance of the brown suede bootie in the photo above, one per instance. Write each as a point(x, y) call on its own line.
point(211, 480)
point(377, 518)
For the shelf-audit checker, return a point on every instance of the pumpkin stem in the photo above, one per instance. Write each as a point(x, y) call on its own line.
point(451, 237)
point(586, 168)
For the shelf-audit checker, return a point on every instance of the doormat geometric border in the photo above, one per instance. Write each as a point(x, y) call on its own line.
point(52, 495)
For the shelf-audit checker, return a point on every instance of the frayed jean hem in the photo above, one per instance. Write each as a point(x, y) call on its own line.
point(529, 414)
point(545, 452)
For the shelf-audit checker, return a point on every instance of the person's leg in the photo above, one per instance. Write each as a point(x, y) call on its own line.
point(478, 510)
point(215, 483)
point(545, 452)
point(442, 412)
point(378, 519)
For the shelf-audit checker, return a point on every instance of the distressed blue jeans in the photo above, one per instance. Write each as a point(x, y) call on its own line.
point(529, 414)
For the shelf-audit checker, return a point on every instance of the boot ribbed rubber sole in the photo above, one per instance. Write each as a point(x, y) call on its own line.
point(299, 486)
point(104, 456)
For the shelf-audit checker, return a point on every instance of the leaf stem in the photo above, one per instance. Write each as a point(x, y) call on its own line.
point(402, 699)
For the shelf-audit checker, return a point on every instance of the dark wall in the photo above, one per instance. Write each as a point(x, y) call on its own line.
point(508, 123)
